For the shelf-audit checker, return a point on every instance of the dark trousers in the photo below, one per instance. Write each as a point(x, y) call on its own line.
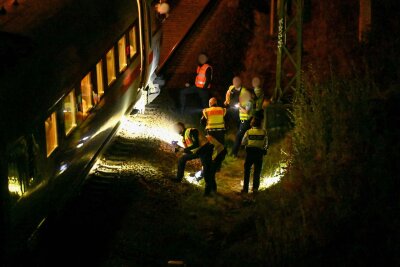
point(243, 127)
point(205, 155)
point(218, 135)
point(201, 93)
point(232, 118)
point(254, 156)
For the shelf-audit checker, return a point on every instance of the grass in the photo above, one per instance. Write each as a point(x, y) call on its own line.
point(337, 203)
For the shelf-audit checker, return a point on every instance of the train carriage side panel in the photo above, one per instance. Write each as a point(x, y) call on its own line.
point(49, 180)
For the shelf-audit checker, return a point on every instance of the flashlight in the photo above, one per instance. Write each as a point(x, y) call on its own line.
point(237, 105)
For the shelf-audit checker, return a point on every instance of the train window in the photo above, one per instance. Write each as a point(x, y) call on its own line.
point(99, 75)
point(122, 53)
point(69, 112)
point(51, 133)
point(110, 66)
point(132, 42)
point(86, 90)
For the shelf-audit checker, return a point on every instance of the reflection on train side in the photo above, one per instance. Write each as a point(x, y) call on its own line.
point(74, 108)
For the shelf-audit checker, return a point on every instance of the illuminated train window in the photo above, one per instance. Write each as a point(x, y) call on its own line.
point(69, 112)
point(99, 76)
point(86, 90)
point(51, 133)
point(110, 66)
point(122, 53)
point(132, 42)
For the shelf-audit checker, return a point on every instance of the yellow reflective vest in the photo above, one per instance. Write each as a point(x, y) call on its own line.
point(215, 117)
point(243, 116)
point(257, 138)
point(231, 90)
point(188, 141)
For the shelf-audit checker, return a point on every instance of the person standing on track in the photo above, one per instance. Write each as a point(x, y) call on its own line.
point(260, 102)
point(213, 117)
point(256, 142)
point(196, 146)
point(232, 99)
point(201, 85)
point(245, 114)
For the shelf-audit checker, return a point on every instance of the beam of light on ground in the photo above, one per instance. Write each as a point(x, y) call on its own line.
point(275, 177)
point(161, 129)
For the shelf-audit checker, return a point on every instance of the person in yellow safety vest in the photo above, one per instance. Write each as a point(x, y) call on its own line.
point(201, 85)
point(260, 102)
point(245, 114)
point(232, 99)
point(214, 118)
point(196, 146)
point(256, 142)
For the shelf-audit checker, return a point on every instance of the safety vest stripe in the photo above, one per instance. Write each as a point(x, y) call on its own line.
point(201, 75)
point(256, 137)
point(215, 112)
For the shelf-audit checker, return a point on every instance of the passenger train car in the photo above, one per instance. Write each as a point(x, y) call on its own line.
point(69, 71)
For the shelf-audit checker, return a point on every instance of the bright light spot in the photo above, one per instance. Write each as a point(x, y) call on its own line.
point(192, 178)
point(14, 186)
point(163, 8)
point(268, 181)
point(63, 167)
point(162, 130)
point(141, 103)
point(198, 174)
point(237, 105)
point(85, 138)
point(79, 145)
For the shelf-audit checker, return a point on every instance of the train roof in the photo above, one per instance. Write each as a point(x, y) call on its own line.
point(45, 48)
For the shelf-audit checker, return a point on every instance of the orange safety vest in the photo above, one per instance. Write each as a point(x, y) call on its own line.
point(215, 117)
point(201, 76)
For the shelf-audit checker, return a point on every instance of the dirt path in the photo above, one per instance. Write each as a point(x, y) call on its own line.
point(167, 220)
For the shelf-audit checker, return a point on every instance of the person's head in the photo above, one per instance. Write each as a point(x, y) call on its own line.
point(203, 58)
point(256, 122)
point(256, 82)
point(237, 82)
point(179, 127)
point(212, 102)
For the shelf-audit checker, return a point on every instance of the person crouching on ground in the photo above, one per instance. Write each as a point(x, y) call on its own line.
point(196, 146)
point(245, 115)
point(256, 142)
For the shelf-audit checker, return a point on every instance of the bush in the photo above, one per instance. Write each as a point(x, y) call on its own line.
point(339, 200)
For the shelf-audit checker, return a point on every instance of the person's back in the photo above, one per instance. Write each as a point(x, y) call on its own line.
point(256, 142)
point(214, 120)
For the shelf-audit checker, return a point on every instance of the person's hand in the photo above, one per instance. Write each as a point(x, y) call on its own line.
point(226, 104)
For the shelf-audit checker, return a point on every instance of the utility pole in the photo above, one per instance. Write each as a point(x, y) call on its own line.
point(290, 19)
point(288, 65)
